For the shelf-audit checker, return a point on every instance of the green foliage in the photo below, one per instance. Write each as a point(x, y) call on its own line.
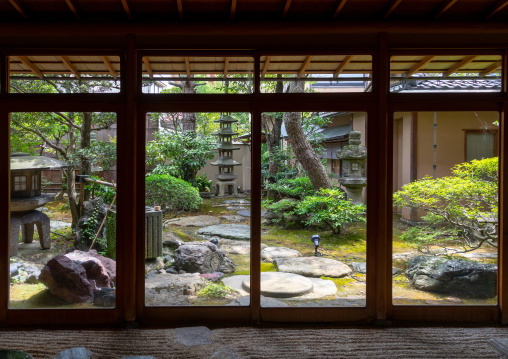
point(462, 208)
point(174, 195)
point(98, 154)
point(298, 187)
point(203, 184)
point(96, 190)
point(110, 245)
point(328, 207)
point(88, 231)
point(283, 159)
point(215, 290)
point(184, 153)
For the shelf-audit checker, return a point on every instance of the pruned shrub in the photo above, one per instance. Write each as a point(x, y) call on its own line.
point(174, 195)
point(298, 187)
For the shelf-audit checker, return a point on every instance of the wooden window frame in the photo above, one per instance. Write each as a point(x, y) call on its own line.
point(131, 107)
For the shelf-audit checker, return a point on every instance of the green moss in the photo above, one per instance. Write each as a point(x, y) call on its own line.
point(339, 282)
point(111, 235)
point(37, 296)
point(184, 235)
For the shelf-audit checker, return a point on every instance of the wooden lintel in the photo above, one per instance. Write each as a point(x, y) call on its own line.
point(342, 65)
point(265, 66)
point(18, 8)
point(491, 68)
point(459, 65)
point(146, 61)
point(187, 67)
point(286, 8)
point(127, 9)
point(226, 66)
point(418, 66)
point(304, 66)
point(233, 9)
point(501, 4)
point(72, 7)
point(69, 66)
point(31, 66)
point(339, 8)
point(444, 8)
point(391, 8)
point(180, 9)
point(109, 66)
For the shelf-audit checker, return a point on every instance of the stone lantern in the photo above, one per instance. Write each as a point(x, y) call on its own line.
point(26, 196)
point(353, 167)
point(226, 176)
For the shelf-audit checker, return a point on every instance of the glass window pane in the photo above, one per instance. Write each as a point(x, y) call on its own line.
point(198, 181)
point(445, 221)
point(62, 252)
point(314, 217)
point(445, 73)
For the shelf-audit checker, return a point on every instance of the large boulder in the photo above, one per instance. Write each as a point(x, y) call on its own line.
point(453, 276)
point(202, 257)
point(94, 210)
point(269, 254)
point(313, 267)
point(75, 276)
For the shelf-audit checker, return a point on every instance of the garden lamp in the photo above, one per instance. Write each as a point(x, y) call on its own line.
point(315, 239)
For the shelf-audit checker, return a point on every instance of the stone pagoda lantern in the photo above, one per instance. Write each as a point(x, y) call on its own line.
point(226, 177)
point(353, 167)
point(26, 196)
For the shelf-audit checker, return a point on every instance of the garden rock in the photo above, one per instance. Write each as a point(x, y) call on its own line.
point(202, 257)
point(75, 353)
point(246, 213)
point(74, 277)
point(234, 218)
point(105, 297)
point(229, 231)
point(82, 242)
point(361, 267)
point(172, 289)
point(453, 276)
point(269, 254)
point(171, 241)
point(195, 221)
point(236, 208)
point(231, 246)
point(313, 267)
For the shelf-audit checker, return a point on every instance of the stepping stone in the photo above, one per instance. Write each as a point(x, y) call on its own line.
point(265, 302)
point(230, 231)
point(190, 336)
point(313, 267)
point(235, 208)
point(281, 285)
point(231, 246)
point(246, 213)
point(195, 221)
point(500, 345)
point(323, 288)
point(271, 253)
point(234, 218)
point(75, 353)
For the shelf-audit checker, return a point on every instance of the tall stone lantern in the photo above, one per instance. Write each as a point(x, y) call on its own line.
point(226, 177)
point(353, 167)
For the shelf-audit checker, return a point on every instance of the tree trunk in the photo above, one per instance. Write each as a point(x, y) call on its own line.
point(71, 192)
point(301, 146)
point(86, 130)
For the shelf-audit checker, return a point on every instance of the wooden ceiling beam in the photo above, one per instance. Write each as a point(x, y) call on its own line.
point(459, 65)
point(72, 7)
point(17, 6)
point(418, 66)
point(187, 67)
point(180, 9)
point(500, 5)
point(109, 66)
point(286, 8)
point(146, 61)
point(265, 66)
point(233, 9)
point(339, 8)
point(305, 64)
point(31, 66)
point(342, 65)
point(69, 66)
point(444, 8)
point(226, 66)
point(391, 8)
point(127, 9)
point(491, 68)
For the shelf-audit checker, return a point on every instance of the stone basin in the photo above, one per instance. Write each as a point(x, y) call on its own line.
point(31, 203)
